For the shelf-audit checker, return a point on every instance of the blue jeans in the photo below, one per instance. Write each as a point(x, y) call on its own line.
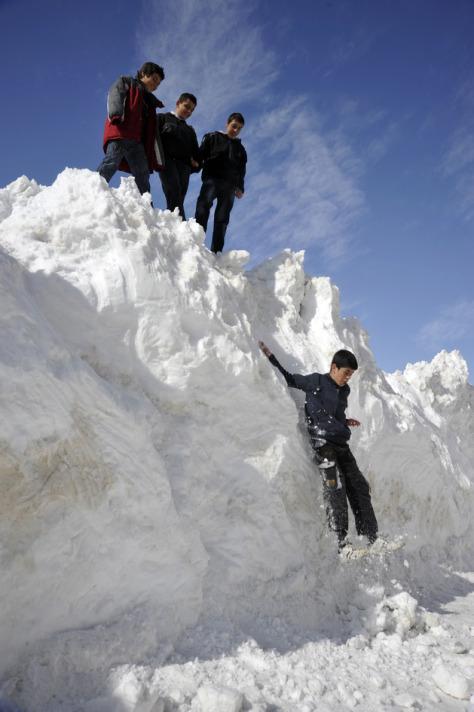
point(211, 189)
point(134, 153)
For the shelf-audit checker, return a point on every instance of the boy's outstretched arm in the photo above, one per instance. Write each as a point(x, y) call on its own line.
point(293, 380)
point(289, 377)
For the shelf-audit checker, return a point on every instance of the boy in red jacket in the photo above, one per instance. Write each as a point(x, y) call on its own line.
point(130, 139)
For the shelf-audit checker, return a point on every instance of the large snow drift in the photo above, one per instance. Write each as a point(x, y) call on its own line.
point(153, 466)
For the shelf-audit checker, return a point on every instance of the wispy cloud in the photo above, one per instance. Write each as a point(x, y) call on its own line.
point(373, 129)
point(458, 165)
point(453, 324)
point(212, 49)
point(348, 35)
point(465, 94)
point(349, 45)
point(458, 159)
point(460, 153)
point(302, 186)
point(380, 145)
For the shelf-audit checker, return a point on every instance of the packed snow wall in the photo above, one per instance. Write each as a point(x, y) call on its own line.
point(153, 465)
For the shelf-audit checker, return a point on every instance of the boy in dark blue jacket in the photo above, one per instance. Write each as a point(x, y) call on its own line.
point(224, 161)
point(181, 150)
point(328, 427)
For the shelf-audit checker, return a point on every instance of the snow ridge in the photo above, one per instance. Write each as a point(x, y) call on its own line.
point(154, 467)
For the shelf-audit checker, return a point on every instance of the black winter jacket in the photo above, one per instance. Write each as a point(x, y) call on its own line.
point(223, 158)
point(178, 138)
point(325, 405)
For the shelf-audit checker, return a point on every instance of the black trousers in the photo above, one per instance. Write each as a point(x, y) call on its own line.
point(343, 482)
point(211, 189)
point(174, 181)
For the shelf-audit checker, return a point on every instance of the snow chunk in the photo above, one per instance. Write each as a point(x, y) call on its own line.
point(219, 699)
point(451, 681)
point(405, 700)
point(398, 615)
point(130, 688)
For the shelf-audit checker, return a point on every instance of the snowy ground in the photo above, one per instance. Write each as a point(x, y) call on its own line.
point(404, 659)
point(163, 543)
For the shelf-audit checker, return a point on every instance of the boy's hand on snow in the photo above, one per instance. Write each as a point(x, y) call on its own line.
point(352, 422)
point(265, 349)
point(238, 193)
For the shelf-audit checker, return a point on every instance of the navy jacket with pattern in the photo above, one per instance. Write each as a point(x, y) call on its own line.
point(325, 405)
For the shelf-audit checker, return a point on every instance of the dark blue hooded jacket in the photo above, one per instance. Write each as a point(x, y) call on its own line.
point(325, 405)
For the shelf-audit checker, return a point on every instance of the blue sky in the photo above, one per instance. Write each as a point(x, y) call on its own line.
point(359, 133)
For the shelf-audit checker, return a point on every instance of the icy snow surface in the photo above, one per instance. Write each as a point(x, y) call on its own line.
point(163, 543)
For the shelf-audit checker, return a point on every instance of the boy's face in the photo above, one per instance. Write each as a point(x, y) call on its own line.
point(234, 128)
point(340, 375)
point(185, 108)
point(152, 82)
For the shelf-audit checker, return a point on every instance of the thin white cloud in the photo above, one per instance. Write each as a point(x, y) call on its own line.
point(379, 146)
point(465, 94)
point(460, 153)
point(453, 324)
point(302, 183)
point(372, 129)
point(350, 44)
point(465, 189)
point(211, 49)
point(302, 190)
point(458, 161)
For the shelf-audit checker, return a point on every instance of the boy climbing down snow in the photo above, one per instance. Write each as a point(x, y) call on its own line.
point(328, 427)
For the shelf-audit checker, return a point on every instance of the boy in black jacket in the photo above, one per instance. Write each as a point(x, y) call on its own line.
point(181, 150)
point(325, 406)
point(224, 162)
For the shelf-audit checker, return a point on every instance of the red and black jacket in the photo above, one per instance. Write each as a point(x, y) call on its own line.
point(131, 114)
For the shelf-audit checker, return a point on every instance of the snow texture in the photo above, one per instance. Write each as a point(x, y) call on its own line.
point(163, 538)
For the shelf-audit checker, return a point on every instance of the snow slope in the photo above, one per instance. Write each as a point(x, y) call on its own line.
point(159, 501)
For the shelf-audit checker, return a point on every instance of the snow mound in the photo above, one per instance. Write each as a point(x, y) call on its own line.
point(154, 467)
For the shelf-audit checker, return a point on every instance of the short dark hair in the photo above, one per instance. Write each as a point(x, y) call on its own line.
point(150, 68)
point(185, 96)
point(236, 117)
point(345, 359)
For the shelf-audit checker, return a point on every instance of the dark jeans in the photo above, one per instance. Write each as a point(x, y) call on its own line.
point(225, 194)
point(341, 482)
point(134, 153)
point(174, 181)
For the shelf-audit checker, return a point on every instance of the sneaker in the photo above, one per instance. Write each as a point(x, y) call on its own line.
point(345, 548)
point(347, 552)
point(381, 545)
